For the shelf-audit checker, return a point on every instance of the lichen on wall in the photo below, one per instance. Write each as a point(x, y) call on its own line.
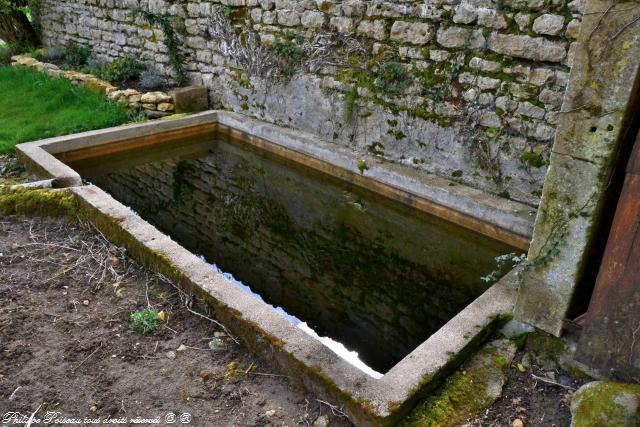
point(466, 89)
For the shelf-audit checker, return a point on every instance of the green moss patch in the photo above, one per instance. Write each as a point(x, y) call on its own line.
point(40, 202)
point(532, 159)
point(606, 403)
point(473, 387)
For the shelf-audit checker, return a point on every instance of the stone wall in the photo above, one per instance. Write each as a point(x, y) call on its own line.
point(467, 89)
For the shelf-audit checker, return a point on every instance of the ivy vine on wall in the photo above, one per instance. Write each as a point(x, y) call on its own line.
point(172, 32)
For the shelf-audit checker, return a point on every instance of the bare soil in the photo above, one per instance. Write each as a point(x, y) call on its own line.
point(540, 396)
point(66, 295)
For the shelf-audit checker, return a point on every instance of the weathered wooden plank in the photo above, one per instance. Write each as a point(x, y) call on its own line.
point(610, 341)
point(634, 161)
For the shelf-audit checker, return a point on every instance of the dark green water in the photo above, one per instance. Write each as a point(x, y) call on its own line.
point(375, 275)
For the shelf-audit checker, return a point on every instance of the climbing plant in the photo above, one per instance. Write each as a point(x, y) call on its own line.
point(172, 32)
point(289, 52)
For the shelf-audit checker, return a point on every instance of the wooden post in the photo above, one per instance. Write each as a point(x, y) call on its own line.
point(610, 341)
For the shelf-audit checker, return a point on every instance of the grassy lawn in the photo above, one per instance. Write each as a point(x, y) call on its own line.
point(34, 106)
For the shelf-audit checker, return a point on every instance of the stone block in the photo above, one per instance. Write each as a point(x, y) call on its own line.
point(548, 24)
point(563, 229)
point(431, 11)
point(484, 65)
point(457, 37)
point(288, 18)
point(190, 99)
point(166, 106)
point(353, 8)
point(573, 29)
point(527, 47)
point(414, 33)
point(491, 18)
point(599, 92)
point(389, 9)
point(527, 109)
point(373, 29)
point(152, 97)
point(465, 14)
point(312, 19)
point(342, 24)
point(601, 403)
point(550, 97)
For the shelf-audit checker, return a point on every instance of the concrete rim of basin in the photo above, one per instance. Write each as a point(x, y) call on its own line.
point(368, 401)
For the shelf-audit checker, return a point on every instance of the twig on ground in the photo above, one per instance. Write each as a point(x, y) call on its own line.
point(548, 381)
point(87, 358)
point(196, 348)
point(334, 409)
point(214, 321)
point(171, 329)
point(186, 297)
point(265, 374)
point(146, 289)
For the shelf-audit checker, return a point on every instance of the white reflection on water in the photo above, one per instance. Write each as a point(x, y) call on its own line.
point(335, 346)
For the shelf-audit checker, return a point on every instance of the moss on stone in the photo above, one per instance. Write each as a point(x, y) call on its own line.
point(532, 159)
point(606, 403)
point(467, 391)
point(41, 202)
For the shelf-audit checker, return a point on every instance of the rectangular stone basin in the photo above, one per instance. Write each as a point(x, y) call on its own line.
point(294, 244)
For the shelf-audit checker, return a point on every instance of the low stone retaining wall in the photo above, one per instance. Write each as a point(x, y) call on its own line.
point(154, 104)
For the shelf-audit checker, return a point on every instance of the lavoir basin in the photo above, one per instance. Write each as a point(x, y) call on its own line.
point(367, 266)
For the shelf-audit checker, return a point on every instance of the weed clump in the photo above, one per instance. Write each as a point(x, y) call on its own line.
point(76, 56)
point(144, 321)
point(122, 69)
point(392, 78)
point(289, 51)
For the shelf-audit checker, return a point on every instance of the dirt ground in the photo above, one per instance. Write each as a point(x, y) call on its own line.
point(66, 295)
point(540, 396)
point(66, 346)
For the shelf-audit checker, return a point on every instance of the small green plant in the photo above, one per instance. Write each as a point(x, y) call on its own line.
point(144, 321)
point(362, 166)
point(227, 10)
point(172, 29)
point(76, 56)
point(122, 69)
point(93, 65)
point(532, 159)
point(504, 263)
point(289, 51)
point(392, 78)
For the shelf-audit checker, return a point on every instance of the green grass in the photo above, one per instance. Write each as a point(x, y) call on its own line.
point(34, 106)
